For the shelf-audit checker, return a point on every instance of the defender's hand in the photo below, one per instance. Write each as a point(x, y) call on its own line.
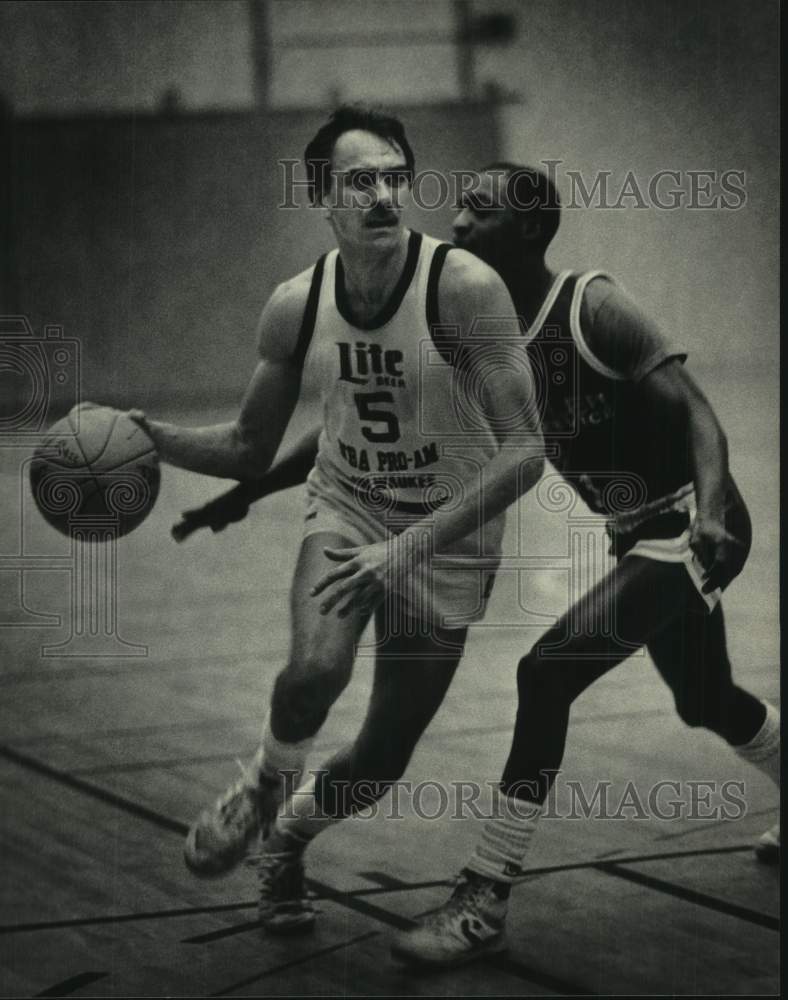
point(362, 578)
point(216, 514)
point(718, 551)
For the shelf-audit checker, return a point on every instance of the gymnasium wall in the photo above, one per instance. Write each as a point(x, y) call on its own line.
point(69, 57)
point(155, 241)
point(640, 87)
point(154, 238)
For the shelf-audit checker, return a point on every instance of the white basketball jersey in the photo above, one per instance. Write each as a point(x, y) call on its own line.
point(396, 415)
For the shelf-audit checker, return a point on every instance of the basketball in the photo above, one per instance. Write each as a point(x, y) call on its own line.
point(96, 471)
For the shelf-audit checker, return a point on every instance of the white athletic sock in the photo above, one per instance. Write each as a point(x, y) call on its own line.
point(505, 838)
point(274, 757)
point(300, 821)
point(763, 750)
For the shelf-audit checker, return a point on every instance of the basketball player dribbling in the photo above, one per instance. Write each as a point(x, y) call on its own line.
point(633, 416)
point(396, 525)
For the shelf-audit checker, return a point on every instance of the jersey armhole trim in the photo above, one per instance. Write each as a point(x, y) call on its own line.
point(547, 305)
point(444, 338)
point(310, 314)
point(577, 333)
point(433, 279)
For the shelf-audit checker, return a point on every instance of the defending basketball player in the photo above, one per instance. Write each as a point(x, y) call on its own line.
point(396, 525)
point(634, 414)
point(683, 534)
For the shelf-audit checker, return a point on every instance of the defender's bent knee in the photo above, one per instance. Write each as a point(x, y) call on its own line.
point(537, 677)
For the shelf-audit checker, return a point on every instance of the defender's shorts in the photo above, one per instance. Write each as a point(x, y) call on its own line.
point(450, 588)
point(657, 537)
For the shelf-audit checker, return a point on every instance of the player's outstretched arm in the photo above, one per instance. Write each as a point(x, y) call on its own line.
point(624, 338)
point(473, 298)
point(290, 470)
point(244, 448)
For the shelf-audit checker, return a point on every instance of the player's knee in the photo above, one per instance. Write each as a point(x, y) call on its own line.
point(319, 670)
point(312, 684)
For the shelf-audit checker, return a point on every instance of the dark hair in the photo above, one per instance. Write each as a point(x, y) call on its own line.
point(317, 155)
point(530, 190)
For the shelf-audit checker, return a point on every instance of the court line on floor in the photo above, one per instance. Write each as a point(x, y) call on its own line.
point(511, 966)
point(690, 895)
point(193, 911)
point(122, 918)
point(223, 932)
point(712, 823)
point(189, 761)
point(87, 735)
point(385, 884)
point(293, 963)
point(151, 765)
point(166, 727)
point(95, 791)
point(351, 902)
point(71, 985)
point(616, 868)
point(165, 822)
point(608, 867)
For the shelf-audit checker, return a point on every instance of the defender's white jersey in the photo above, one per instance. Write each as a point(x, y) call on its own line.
point(399, 425)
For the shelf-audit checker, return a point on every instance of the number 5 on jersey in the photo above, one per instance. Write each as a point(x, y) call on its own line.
point(369, 409)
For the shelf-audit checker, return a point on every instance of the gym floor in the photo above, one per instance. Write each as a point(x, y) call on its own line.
point(106, 758)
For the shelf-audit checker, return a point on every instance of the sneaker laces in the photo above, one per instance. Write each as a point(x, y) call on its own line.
point(280, 876)
point(231, 803)
point(466, 896)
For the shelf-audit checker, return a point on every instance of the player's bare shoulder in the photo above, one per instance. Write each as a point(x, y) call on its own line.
point(465, 273)
point(280, 320)
point(470, 290)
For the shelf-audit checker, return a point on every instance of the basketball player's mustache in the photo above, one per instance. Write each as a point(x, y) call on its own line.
point(378, 218)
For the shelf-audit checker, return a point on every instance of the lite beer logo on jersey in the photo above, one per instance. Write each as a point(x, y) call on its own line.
point(361, 362)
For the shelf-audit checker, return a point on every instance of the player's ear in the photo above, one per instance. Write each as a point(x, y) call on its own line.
point(323, 205)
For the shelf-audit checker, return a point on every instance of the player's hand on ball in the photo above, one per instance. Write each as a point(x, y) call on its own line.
point(361, 579)
point(139, 418)
point(718, 551)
